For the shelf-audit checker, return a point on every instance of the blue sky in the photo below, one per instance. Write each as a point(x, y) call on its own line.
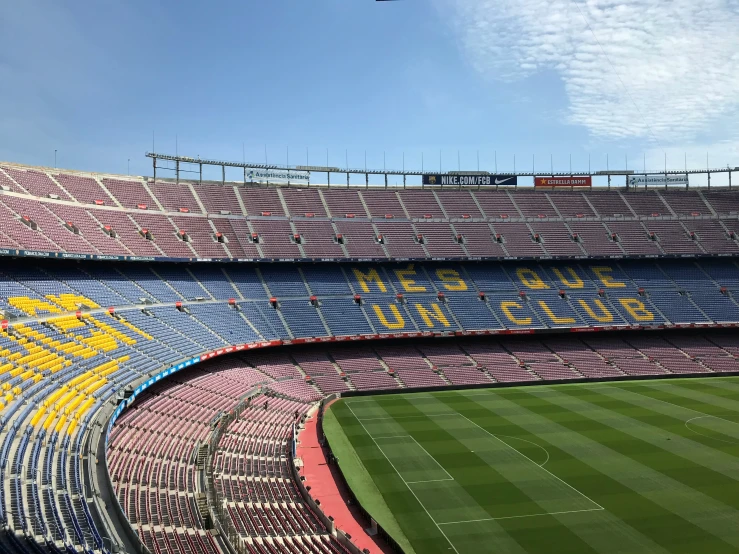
point(95, 79)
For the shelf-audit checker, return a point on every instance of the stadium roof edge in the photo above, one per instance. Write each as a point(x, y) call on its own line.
point(322, 169)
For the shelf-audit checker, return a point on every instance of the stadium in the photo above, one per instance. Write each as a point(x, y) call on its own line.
point(369, 277)
point(163, 390)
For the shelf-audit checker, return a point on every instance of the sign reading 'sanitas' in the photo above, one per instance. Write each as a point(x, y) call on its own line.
point(636, 180)
point(276, 175)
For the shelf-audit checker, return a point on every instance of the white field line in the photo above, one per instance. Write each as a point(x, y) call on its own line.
point(450, 478)
point(430, 481)
point(379, 418)
point(404, 481)
point(385, 418)
point(407, 436)
point(358, 400)
point(530, 442)
point(677, 405)
point(525, 515)
point(703, 434)
point(533, 462)
point(621, 384)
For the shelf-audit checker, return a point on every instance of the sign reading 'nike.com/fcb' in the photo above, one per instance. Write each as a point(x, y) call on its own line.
point(470, 179)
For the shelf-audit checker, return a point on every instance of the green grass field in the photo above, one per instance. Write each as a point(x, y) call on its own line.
point(627, 467)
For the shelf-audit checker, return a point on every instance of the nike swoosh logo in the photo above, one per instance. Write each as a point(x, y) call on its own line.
point(499, 181)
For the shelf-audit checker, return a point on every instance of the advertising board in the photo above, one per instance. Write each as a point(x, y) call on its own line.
point(470, 179)
point(580, 181)
point(658, 180)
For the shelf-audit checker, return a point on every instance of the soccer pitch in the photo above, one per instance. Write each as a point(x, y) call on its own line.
point(627, 467)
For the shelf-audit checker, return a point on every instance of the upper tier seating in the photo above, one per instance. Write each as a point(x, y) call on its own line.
point(130, 193)
point(590, 223)
point(344, 203)
point(174, 197)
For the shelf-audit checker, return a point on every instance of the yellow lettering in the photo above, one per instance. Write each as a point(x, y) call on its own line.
point(604, 317)
point(577, 283)
point(506, 308)
point(399, 322)
point(71, 302)
point(371, 275)
point(408, 284)
point(636, 309)
point(530, 278)
point(451, 276)
point(602, 272)
point(435, 313)
point(31, 305)
point(556, 319)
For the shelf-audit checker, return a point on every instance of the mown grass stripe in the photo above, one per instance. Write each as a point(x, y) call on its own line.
point(360, 480)
point(661, 435)
point(409, 487)
point(718, 403)
point(711, 400)
point(604, 531)
point(415, 523)
point(606, 440)
point(463, 453)
point(712, 417)
point(669, 401)
point(662, 425)
point(644, 467)
point(656, 511)
point(523, 490)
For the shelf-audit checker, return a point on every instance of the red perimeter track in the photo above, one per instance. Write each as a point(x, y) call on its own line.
point(324, 483)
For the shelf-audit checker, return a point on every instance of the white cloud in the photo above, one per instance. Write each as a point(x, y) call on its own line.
point(673, 69)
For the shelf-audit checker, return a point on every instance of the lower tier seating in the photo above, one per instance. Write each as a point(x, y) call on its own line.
point(154, 448)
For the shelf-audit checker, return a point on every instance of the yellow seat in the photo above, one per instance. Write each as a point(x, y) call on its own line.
point(71, 427)
point(53, 397)
point(74, 403)
point(27, 374)
point(60, 423)
point(79, 379)
point(49, 420)
point(86, 405)
point(66, 398)
point(95, 386)
point(38, 415)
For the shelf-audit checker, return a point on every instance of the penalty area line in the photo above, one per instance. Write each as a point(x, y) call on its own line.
point(565, 483)
point(429, 481)
point(406, 484)
point(415, 416)
point(524, 515)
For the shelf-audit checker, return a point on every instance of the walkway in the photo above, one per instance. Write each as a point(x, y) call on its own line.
point(326, 488)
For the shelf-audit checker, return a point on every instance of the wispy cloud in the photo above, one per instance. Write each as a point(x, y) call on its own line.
point(663, 71)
